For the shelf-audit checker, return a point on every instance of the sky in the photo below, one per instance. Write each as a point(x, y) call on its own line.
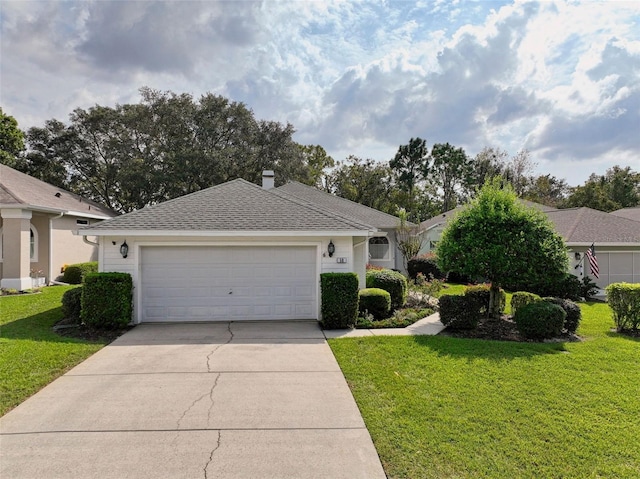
point(558, 78)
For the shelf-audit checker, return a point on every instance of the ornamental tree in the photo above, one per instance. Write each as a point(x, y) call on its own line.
point(499, 239)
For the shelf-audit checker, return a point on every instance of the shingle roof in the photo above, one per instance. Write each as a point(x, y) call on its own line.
point(586, 225)
point(629, 213)
point(341, 206)
point(17, 189)
point(233, 206)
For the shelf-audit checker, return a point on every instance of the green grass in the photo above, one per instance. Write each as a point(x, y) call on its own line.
point(440, 407)
point(31, 354)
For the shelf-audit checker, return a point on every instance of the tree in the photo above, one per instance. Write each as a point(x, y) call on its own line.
point(518, 170)
point(617, 188)
point(408, 238)
point(410, 164)
point(486, 165)
point(503, 241)
point(11, 140)
point(547, 190)
point(450, 170)
point(317, 162)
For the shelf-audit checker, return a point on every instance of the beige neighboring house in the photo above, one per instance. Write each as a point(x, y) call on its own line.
point(37, 221)
point(632, 213)
point(616, 240)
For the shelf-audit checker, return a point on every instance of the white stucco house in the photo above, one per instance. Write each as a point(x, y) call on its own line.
point(235, 251)
point(37, 221)
point(616, 239)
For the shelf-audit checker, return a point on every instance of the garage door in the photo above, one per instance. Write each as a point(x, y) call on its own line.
point(202, 283)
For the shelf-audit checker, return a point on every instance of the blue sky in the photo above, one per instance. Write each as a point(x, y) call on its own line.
point(559, 78)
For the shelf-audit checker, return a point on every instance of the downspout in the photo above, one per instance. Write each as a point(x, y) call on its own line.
point(50, 275)
point(92, 243)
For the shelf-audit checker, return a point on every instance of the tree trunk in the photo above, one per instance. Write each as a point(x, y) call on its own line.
point(493, 294)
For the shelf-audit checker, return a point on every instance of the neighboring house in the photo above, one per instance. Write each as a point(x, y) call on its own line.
point(37, 221)
point(616, 240)
point(383, 249)
point(632, 213)
point(235, 251)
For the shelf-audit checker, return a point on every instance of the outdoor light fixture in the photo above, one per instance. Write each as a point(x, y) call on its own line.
point(124, 249)
point(577, 256)
point(331, 248)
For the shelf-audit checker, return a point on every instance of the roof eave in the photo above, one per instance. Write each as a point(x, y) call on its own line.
point(222, 233)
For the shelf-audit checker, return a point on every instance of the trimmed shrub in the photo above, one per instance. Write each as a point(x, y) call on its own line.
point(72, 304)
point(520, 298)
point(392, 282)
point(75, 273)
point(480, 294)
point(459, 312)
point(339, 300)
point(569, 287)
point(106, 300)
point(427, 265)
point(375, 301)
point(624, 301)
point(574, 314)
point(458, 278)
point(540, 320)
point(589, 288)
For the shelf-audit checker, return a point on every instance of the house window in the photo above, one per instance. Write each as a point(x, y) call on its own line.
point(33, 244)
point(378, 247)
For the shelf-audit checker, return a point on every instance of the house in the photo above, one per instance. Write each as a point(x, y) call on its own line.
point(383, 248)
point(235, 251)
point(37, 221)
point(632, 213)
point(616, 240)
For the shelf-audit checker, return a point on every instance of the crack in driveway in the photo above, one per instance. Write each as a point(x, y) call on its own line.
point(218, 347)
point(212, 453)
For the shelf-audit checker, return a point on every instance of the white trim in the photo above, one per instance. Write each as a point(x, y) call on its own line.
point(88, 215)
point(45, 209)
point(215, 234)
point(16, 213)
point(137, 276)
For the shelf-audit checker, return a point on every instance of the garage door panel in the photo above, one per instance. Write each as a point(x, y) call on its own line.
point(194, 283)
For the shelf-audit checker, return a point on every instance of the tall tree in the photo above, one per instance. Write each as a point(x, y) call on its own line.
point(11, 140)
point(485, 166)
point(547, 190)
point(518, 171)
point(500, 239)
point(317, 162)
point(450, 170)
point(410, 165)
point(617, 188)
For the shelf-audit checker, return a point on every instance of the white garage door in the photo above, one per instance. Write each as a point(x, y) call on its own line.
point(203, 283)
point(618, 267)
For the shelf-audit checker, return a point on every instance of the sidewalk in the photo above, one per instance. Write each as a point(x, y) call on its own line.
point(429, 326)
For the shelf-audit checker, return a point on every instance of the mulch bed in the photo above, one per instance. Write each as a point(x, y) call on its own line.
point(70, 330)
point(502, 329)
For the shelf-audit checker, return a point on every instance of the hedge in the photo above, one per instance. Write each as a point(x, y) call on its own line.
point(574, 313)
point(72, 304)
point(75, 273)
point(374, 301)
point(624, 301)
point(427, 265)
point(106, 300)
point(540, 320)
point(459, 312)
point(339, 304)
point(392, 282)
point(481, 294)
point(520, 298)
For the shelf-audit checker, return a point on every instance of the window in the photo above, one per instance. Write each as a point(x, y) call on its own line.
point(378, 247)
point(33, 244)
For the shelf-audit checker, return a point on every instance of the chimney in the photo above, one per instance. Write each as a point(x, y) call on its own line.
point(268, 181)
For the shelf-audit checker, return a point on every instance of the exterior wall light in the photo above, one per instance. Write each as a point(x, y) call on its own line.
point(331, 248)
point(577, 256)
point(124, 249)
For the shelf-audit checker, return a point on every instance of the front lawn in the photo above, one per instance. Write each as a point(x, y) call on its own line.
point(31, 354)
point(441, 407)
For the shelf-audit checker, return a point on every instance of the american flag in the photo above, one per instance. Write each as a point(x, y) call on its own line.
point(593, 261)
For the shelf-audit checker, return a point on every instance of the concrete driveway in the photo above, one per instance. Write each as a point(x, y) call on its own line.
point(215, 400)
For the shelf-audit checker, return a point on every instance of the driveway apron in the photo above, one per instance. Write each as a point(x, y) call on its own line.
point(198, 400)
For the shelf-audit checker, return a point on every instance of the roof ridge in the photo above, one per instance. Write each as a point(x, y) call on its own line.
point(313, 188)
point(299, 201)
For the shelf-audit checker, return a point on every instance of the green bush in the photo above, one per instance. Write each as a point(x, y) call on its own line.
point(540, 320)
point(72, 304)
point(521, 298)
point(339, 300)
point(427, 265)
point(106, 300)
point(589, 288)
point(624, 301)
point(459, 311)
point(75, 273)
point(574, 314)
point(568, 287)
point(480, 294)
point(374, 301)
point(392, 282)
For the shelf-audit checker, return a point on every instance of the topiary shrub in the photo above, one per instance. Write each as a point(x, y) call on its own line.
point(480, 294)
point(540, 320)
point(459, 312)
point(574, 314)
point(426, 265)
point(568, 287)
point(339, 304)
point(374, 301)
point(72, 304)
point(520, 298)
point(106, 300)
point(75, 273)
point(392, 282)
point(624, 301)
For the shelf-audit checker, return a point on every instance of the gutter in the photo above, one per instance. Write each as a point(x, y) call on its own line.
point(50, 265)
point(84, 238)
